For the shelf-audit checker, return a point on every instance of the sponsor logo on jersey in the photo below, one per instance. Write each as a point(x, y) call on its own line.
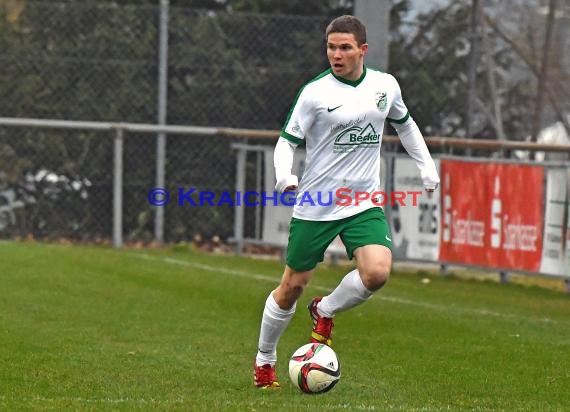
point(341, 126)
point(357, 137)
point(381, 99)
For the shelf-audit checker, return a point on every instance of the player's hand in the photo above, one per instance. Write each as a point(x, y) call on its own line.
point(431, 189)
point(287, 183)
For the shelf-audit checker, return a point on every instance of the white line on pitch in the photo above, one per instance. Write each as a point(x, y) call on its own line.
point(382, 296)
point(150, 401)
point(93, 400)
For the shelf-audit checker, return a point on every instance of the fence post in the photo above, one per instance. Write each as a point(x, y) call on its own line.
point(258, 158)
point(389, 186)
point(162, 110)
point(239, 210)
point(118, 190)
point(504, 277)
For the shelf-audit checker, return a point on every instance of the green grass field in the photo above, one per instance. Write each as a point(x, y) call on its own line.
point(92, 328)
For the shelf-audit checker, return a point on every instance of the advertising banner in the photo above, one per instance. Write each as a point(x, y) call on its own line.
point(566, 238)
point(554, 244)
point(414, 223)
point(492, 214)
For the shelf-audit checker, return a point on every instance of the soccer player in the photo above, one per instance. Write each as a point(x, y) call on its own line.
point(339, 116)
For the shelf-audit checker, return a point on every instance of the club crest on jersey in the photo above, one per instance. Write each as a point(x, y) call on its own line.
point(356, 137)
point(296, 128)
point(381, 100)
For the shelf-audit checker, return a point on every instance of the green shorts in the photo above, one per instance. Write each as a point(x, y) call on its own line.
point(309, 239)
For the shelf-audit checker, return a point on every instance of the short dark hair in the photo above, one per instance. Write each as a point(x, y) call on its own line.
point(347, 24)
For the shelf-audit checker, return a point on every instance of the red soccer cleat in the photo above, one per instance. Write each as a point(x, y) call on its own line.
point(322, 327)
point(264, 376)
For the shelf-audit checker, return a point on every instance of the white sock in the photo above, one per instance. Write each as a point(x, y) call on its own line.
point(348, 294)
point(273, 323)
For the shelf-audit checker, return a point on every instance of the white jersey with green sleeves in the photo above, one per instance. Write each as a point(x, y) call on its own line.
point(341, 122)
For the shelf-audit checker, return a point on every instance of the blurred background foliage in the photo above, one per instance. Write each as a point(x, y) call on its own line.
point(238, 63)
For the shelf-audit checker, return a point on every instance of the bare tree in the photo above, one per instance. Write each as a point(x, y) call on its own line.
point(536, 69)
point(543, 75)
point(497, 117)
point(472, 67)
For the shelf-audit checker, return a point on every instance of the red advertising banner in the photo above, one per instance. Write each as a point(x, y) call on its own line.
point(492, 214)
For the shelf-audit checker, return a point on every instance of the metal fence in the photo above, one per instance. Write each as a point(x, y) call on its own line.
point(99, 61)
point(97, 204)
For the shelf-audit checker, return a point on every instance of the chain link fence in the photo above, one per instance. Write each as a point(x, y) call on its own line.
point(95, 61)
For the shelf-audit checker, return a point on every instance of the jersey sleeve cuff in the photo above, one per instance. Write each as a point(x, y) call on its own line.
point(292, 138)
point(399, 121)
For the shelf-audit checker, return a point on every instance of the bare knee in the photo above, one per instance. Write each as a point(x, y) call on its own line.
point(375, 276)
point(374, 265)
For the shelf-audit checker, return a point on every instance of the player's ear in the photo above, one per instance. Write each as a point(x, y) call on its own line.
point(364, 49)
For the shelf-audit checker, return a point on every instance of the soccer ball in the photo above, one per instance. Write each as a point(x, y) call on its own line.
point(314, 368)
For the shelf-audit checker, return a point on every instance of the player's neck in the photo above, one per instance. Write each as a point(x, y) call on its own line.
point(353, 78)
point(356, 75)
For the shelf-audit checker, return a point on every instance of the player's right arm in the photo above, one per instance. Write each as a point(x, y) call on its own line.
point(298, 122)
point(283, 162)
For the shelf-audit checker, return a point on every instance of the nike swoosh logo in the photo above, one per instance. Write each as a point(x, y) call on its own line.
point(333, 109)
point(387, 238)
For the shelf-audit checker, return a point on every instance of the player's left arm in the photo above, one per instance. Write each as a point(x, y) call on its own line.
point(413, 140)
point(414, 143)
